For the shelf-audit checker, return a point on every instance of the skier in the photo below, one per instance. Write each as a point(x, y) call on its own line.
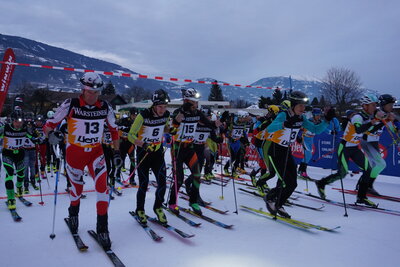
point(146, 134)
point(360, 123)
point(306, 138)
point(283, 131)
point(237, 140)
point(211, 150)
point(108, 149)
point(51, 159)
point(13, 153)
point(30, 160)
point(184, 122)
point(263, 143)
point(86, 116)
point(41, 146)
point(202, 133)
point(370, 142)
point(126, 147)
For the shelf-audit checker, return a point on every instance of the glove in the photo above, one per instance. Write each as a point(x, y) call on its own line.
point(330, 114)
point(55, 137)
point(149, 147)
point(117, 160)
point(291, 121)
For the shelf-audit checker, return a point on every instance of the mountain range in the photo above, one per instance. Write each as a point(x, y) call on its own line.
point(33, 52)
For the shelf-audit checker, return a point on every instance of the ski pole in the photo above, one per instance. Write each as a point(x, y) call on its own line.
point(137, 166)
point(53, 235)
point(233, 179)
point(39, 180)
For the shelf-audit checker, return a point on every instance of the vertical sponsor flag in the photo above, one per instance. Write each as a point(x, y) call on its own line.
point(5, 75)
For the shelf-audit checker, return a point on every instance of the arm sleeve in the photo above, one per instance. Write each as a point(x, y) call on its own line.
point(277, 124)
point(111, 123)
point(315, 128)
point(137, 124)
point(358, 124)
point(60, 114)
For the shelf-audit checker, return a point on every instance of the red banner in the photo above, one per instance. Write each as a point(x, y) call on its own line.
point(5, 75)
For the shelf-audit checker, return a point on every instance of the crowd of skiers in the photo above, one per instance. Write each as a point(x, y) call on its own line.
point(85, 134)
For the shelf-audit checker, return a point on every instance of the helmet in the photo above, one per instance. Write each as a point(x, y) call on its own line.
point(242, 114)
point(17, 115)
point(91, 81)
point(50, 114)
point(297, 97)
point(273, 109)
point(317, 112)
point(133, 111)
point(285, 104)
point(191, 94)
point(368, 99)
point(160, 97)
point(29, 116)
point(39, 118)
point(386, 99)
point(349, 112)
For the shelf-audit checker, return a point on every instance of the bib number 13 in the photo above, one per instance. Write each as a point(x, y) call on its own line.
point(91, 127)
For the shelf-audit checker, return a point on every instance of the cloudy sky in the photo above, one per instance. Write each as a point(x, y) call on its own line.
point(237, 41)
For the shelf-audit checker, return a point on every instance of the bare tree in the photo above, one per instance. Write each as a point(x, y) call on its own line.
point(341, 87)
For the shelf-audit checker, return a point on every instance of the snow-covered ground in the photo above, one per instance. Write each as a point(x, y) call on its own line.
point(366, 238)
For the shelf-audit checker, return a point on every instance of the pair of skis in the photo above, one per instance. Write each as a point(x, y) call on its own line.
point(292, 222)
point(83, 247)
point(153, 234)
point(14, 214)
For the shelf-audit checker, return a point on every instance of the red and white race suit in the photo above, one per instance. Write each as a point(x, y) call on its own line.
point(85, 131)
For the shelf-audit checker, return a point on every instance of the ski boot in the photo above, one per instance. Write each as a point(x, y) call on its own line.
point(226, 172)
point(253, 178)
point(123, 169)
point(321, 189)
point(141, 216)
point(161, 215)
point(366, 202)
point(103, 235)
point(11, 205)
point(26, 191)
point(33, 183)
point(240, 170)
point(43, 175)
point(73, 223)
point(235, 175)
point(270, 205)
point(208, 176)
point(132, 183)
point(262, 189)
point(196, 208)
point(174, 208)
point(304, 175)
point(48, 169)
point(282, 212)
point(201, 202)
point(20, 192)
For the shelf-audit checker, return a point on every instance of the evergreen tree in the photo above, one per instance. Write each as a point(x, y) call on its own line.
point(215, 93)
point(277, 96)
point(322, 101)
point(314, 102)
point(263, 102)
point(109, 89)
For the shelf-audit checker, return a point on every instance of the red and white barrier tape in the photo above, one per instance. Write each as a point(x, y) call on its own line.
point(141, 76)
